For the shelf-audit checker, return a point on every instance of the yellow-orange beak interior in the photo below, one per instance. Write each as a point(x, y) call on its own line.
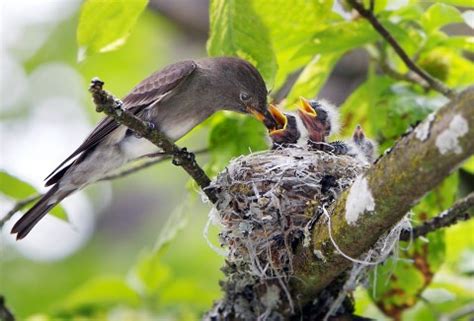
point(280, 119)
point(305, 107)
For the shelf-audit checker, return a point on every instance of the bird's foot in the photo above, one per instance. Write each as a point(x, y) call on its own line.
point(339, 148)
point(183, 156)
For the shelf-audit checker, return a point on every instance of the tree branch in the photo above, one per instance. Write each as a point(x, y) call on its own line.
point(434, 83)
point(111, 106)
point(416, 164)
point(459, 211)
point(390, 71)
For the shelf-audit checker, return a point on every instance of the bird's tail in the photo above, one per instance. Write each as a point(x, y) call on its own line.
point(38, 211)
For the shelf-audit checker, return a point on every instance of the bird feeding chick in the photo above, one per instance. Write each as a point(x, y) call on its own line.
point(175, 100)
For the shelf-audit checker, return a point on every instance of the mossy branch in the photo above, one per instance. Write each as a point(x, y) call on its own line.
point(417, 163)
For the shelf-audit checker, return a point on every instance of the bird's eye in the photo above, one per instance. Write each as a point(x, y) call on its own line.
point(244, 96)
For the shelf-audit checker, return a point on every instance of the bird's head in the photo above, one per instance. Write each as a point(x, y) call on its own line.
point(367, 146)
point(319, 118)
point(247, 89)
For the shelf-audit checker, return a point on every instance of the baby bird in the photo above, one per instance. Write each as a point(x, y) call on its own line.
point(359, 147)
point(289, 130)
point(364, 145)
point(321, 120)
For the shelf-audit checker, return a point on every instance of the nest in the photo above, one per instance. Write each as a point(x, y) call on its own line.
point(267, 203)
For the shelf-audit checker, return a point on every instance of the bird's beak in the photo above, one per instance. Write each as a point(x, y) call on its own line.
point(265, 117)
point(306, 112)
point(309, 116)
point(358, 134)
point(306, 108)
point(280, 118)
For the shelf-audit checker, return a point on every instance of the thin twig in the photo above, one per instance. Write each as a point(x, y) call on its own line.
point(390, 71)
point(458, 212)
point(146, 164)
point(434, 83)
point(112, 106)
point(18, 206)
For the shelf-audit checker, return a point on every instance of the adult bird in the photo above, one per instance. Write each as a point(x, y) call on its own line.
point(174, 99)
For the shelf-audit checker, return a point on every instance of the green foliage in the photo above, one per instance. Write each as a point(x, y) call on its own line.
point(236, 30)
point(291, 24)
point(360, 105)
point(411, 275)
point(349, 35)
point(105, 25)
point(438, 15)
point(232, 136)
point(15, 188)
point(279, 37)
point(100, 293)
point(313, 77)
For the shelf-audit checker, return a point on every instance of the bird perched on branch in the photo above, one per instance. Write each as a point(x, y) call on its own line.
point(175, 100)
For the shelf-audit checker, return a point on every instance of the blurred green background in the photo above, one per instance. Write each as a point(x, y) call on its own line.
point(115, 260)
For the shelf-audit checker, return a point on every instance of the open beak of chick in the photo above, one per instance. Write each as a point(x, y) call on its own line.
point(286, 131)
point(317, 128)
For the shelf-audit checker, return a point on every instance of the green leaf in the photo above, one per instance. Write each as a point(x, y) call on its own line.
point(291, 23)
point(469, 165)
point(17, 189)
point(237, 30)
point(149, 274)
point(14, 187)
point(232, 136)
point(356, 109)
point(101, 292)
point(460, 3)
point(438, 15)
point(184, 290)
point(400, 108)
point(313, 77)
point(399, 284)
point(104, 25)
point(339, 38)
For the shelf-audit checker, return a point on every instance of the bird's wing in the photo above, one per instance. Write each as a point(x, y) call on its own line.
point(143, 95)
